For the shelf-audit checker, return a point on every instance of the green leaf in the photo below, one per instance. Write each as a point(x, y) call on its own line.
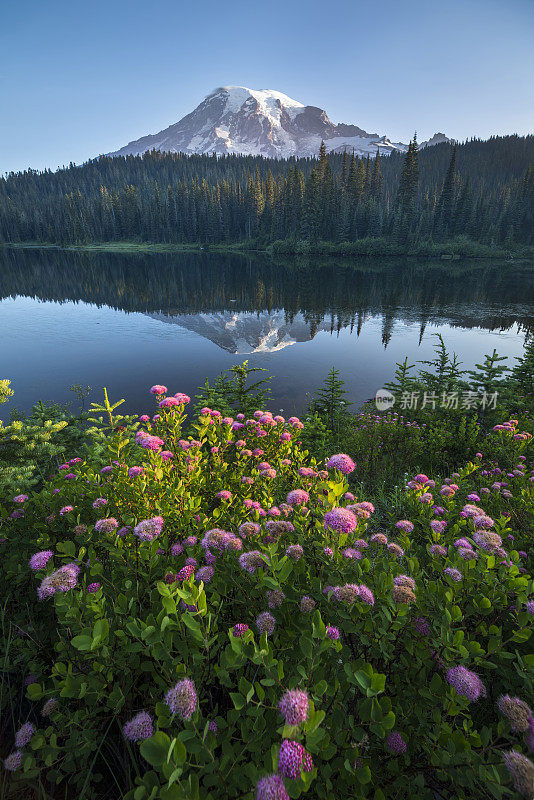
point(238, 700)
point(155, 749)
point(82, 642)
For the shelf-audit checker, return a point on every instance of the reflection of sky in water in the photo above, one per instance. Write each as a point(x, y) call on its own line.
point(47, 346)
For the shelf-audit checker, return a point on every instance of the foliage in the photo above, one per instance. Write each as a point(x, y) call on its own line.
point(369, 619)
point(5, 391)
point(473, 198)
point(232, 392)
point(329, 401)
point(32, 446)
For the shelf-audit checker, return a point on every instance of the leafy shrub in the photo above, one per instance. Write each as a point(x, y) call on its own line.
point(221, 618)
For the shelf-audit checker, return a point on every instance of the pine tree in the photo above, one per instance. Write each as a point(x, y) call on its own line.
point(445, 207)
point(409, 179)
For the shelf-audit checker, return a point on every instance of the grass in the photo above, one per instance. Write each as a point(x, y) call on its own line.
point(451, 250)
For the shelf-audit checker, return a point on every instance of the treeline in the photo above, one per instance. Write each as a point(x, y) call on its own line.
point(480, 190)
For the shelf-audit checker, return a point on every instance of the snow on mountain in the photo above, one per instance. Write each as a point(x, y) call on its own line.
point(234, 119)
point(244, 333)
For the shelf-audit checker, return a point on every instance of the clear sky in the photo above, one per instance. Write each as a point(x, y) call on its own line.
point(82, 78)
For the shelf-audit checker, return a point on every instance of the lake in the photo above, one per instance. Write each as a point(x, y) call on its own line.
point(129, 321)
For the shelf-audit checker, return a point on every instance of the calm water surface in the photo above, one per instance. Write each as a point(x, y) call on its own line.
point(127, 322)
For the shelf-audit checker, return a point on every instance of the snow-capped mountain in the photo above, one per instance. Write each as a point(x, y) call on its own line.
point(244, 333)
point(234, 119)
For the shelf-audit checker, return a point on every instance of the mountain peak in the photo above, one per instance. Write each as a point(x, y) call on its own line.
point(236, 119)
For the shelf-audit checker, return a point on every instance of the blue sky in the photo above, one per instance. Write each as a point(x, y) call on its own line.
point(82, 78)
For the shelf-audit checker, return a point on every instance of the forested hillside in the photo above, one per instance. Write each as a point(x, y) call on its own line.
point(483, 190)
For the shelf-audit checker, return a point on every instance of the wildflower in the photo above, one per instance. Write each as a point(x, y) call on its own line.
point(239, 630)
point(467, 553)
point(379, 538)
point(61, 580)
point(395, 550)
point(106, 525)
point(341, 520)
point(471, 510)
point(530, 608)
point(332, 633)
point(403, 594)
point(14, 760)
point(224, 494)
point(294, 706)
point(366, 595)
point(462, 543)
point(20, 498)
point(138, 728)
point(183, 399)
point(275, 598)
point(215, 539)
point(49, 707)
point(24, 734)
point(148, 529)
point(351, 552)
point(190, 541)
point(421, 478)
point(123, 531)
point(248, 529)
point(453, 573)
point(186, 573)
point(177, 549)
point(405, 525)
point(265, 623)
point(93, 587)
point(395, 743)
point(295, 552)
point(307, 604)
point(252, 561)
point(66, 510)
point(438, 550)
point(158, 389)
point(271, 787)
point(438, 525)
point(134, 472)
point(487, 540)
point(276, 527)
point(466, 683)
point(328, 551)
point(517, 711)
point(482, 521)
point(204, 574)
point(79, 529)
point(99, 502)
point(347, 593)
point(341, 462)
point(521, 770)
point(182, 699)
point(292, 759)
point(40, 560)
point(297, 497)
point(404, 580)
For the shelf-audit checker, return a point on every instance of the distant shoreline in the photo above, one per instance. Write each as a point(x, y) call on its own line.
point(452, 251)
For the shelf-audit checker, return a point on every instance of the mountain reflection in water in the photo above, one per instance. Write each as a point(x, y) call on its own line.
point(260, 306)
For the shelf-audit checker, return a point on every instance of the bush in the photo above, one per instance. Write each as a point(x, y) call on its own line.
point(220, 618)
